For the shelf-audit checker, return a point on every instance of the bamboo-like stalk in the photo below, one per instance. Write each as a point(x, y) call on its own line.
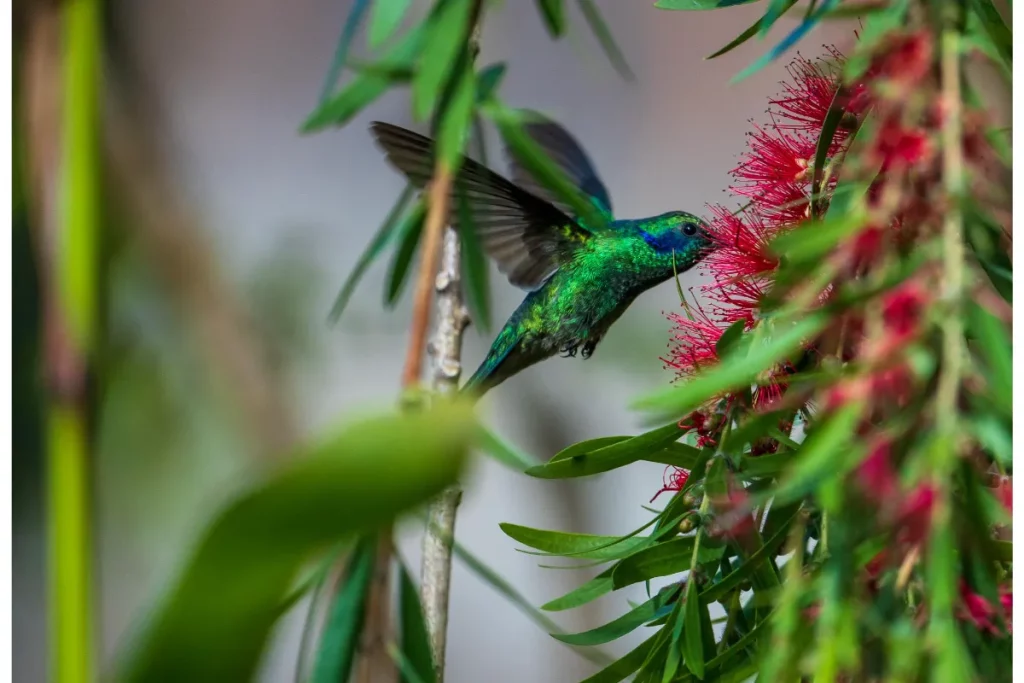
point(62, 81)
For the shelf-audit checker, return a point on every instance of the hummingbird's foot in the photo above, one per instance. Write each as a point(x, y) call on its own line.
point(569, 351)
point(588, 348)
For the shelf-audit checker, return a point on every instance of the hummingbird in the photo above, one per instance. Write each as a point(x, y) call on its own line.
point(579, 278)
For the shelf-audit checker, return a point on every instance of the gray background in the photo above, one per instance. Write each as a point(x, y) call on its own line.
point(237, 78)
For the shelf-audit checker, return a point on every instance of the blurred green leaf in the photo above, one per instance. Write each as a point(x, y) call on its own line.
point(415, 640)
point(588, 446)
point(587, 546)
point(591, 590)
point(447, 32)
point(776, 8)
point(553, 12)
point(503, 452)
point(605, 38)
point(750, 564)
point(616, 455)
point(729, 338)
point(348, 32)
point(365, 87)
point(740, 371)
point(812, 240)
point(996, 348)
point(998, 32)
point(874, 27)
point(539, 164)
point(385, 19)
point(993, 435)
point(409, 233)
point(457, 115)
point(693, 645)
point(340, 637)
point(833, 117)
point(827, 452)
point(487, 82)
point(387, 232)
point(621, 669)
point(215, 621)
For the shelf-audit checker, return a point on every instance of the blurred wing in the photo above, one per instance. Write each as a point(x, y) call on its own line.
point(567, 153)
point(527, 236)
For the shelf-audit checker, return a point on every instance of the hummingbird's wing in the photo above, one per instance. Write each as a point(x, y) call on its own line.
point(527, 236)
point(568, 154)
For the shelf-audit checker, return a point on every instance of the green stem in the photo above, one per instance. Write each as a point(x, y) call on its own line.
point(74, 320)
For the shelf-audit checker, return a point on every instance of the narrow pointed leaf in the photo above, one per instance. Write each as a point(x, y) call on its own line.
point(623, 668)
point(415, 641)
point(693, 636)
point(827, 452)
point(387, 232)
point(446, 37)
point(340, 636)
point(605, 38)
point(794, 36)
point(642, 447)
point(385, 19)
point(591, 590)
point(475, 269)
point(692, 5)
point(613, 630)
point(487, 82)
point(348, 32)
point(553, 12)
point(410, 233)
point(586, 546)
point(751, 31)
point(663, 559)
point(502, 451)
point(457, 116)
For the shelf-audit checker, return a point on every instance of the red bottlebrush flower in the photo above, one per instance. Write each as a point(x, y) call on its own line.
point(775, 157)
point(903, 60)
point(898, 148)
point(733, 517)
point(741, 243)
point(783, 204)
point(902, 310)
point(694, 341)
point(915, 518)
point(865, 247)
point(673, 479)
point(876, 475)
point(891, 385)
point(1004, 493)
point(736, 298)
point(980, 612)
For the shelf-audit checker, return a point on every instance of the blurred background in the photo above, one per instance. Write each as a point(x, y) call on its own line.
point(233, 235)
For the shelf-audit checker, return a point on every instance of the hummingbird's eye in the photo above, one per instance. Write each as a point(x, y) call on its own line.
point(690, 229)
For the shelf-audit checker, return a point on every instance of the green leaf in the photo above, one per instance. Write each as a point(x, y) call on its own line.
point(691, 5)
point(693, 641)
point(385, 19)
point(446, 37)
point(348, 32)
point(812, 240)
point(410, 233)
point(613, 630)
point(458, 113)
point(340, 636)
point(833, 117)
point(788, 42)
point(874, 28)
point(776, 8)
point(216, 619)
point(739, 372)
point(604, 36)
point(384, 236)
point(998, 32)
point(751, 31)
point(365, 87)
point(415, 639)
point(488, 80)
point(663, 559)
point(729, 338)
point(828, 452)
point(994, 436)
point(587, 546)
point(588, 446)
point(620, 670)
point(503, 452)
point(591, 590)
point(613, 456)
point(996, 348)
point(553, 12)
point(535, 160)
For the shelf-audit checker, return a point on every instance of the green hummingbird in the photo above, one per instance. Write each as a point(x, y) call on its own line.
point(580, 278)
